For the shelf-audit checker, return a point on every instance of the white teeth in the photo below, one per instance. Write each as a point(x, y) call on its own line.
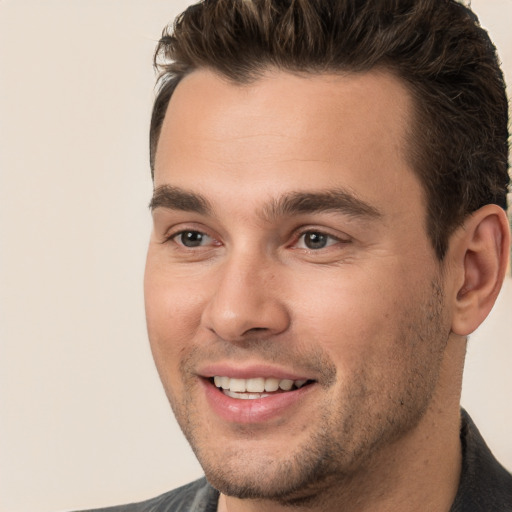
point(245, 396)
point(258, 385)
point(271, 384)
point(255, 385)
point(237, 385)
point(286, 384)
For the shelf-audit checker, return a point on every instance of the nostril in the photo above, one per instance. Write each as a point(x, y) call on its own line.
point(255, 329)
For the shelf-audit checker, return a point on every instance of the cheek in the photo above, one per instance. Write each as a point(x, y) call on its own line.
point(173, 300)
point(173, 315)
point(342, 308)
point(359, 319)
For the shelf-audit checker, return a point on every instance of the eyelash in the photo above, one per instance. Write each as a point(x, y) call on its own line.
point(173, 236)
point(322, 235)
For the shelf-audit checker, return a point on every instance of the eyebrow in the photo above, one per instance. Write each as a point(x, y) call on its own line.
point(175, 198)
point(338, 200)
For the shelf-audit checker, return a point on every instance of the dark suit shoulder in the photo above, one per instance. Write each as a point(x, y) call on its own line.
point(485, 484)
point(198, 496)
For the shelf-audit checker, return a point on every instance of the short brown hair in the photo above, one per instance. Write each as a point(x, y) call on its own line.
point(459, 140)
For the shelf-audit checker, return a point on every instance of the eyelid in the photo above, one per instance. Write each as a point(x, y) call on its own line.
point(300, 232)
point(175, 231)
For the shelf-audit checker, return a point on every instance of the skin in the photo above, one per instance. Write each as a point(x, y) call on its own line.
point(368, 314)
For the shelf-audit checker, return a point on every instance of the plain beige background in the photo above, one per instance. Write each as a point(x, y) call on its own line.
point(84, 421)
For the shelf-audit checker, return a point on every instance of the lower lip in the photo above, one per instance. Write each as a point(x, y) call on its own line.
point(258, 410)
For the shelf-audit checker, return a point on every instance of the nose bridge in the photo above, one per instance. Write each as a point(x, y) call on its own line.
point(246, 298)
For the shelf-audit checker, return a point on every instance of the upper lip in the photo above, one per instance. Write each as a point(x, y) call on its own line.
point(241, 371)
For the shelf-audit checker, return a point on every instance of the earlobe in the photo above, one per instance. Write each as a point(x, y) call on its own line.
point(481, 256)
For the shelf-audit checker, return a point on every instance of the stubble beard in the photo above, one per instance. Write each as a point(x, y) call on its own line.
point(349, 434)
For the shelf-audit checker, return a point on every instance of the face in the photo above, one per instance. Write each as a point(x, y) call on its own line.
point(294, 303)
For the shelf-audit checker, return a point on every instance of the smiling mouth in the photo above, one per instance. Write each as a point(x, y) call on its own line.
point(256, 388)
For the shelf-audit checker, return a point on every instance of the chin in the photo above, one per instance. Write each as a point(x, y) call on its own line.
point(298, 475)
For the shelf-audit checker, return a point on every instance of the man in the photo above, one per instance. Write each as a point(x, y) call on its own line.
point(330, 183)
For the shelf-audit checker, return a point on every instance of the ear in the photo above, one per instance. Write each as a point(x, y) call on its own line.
point(480, 255)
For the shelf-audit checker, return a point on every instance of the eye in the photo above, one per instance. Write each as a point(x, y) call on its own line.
point(314, 240)
point(191, 239)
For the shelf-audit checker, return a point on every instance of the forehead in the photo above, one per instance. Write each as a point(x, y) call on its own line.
point(287, 131)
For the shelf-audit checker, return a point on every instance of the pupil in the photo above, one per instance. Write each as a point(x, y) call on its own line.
point(315, 240)
point(191, 238)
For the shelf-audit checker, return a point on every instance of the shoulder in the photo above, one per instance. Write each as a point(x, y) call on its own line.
point(485, 484)
point(198, 496)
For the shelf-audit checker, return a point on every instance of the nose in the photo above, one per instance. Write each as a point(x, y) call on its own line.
point(246, 301)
